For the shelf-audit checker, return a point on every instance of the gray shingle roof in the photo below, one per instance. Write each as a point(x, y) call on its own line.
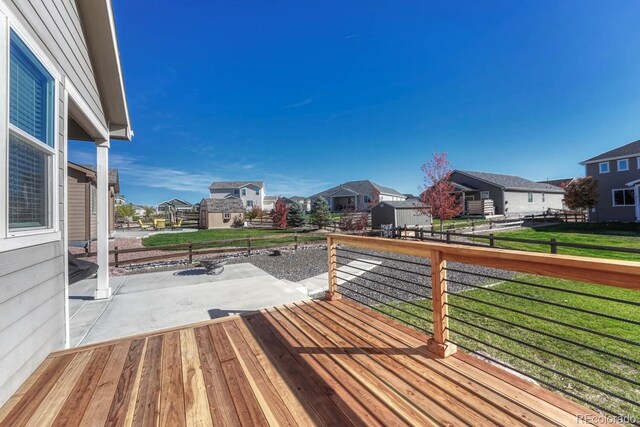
point(233, 185)
point(360, 187)
point(176, 202)
point(511, 182)
point(223, 205)
point(631, 149)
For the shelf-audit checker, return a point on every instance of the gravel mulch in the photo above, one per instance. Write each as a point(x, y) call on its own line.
point(293, 266)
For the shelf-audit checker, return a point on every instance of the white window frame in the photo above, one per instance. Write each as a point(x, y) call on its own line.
point(483, 194)
point(226, 215)
point(621, 169)
point(243, 192)
point(603, 164)
point(638, 162)
point(613, 197)
point(544, 198)
point(530, 197)
point(249, 203)
point(16, 239)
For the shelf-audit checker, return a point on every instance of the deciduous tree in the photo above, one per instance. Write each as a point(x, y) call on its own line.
point(374, 198)
point(279, 213)
point(125, 211)
point(437, 197)
point(581, 193)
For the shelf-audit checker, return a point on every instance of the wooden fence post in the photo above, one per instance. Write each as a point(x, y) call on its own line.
point(190, 253)
point(448, 236)
point(554, 246)
point(440, 345)
point(492, 240)
point(295, 240)
point(115, 256)
point(332, 294)
point(248, 245)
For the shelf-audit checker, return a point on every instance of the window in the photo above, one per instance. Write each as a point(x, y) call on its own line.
point(530, 197)
point(604, 167)
point(484, 195)
point(543, 198)
point(31, 140)
point(257, 192)
point(236, 192)
point(623, 197)
point(638, 161)
point(244, 191)
point(249, 203)
point(367, 199)
point(623, 165)
point(226, 216)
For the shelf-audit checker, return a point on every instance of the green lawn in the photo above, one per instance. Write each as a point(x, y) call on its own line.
point(621, 235)
point(472, 324)
point(279, 236)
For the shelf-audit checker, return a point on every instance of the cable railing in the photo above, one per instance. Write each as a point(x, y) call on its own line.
point(567, 323)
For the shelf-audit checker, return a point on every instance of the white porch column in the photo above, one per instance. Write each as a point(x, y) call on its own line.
point(103, 290)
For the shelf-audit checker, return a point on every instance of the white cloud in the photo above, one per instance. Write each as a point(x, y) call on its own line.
point(302, 103)
point(134, 173)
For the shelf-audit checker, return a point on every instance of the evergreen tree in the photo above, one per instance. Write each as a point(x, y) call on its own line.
point(320, 215)
point(296, 217)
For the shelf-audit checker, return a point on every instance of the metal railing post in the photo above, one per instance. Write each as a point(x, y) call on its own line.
point(440, 345)
point(332, 292)
point(115, 256)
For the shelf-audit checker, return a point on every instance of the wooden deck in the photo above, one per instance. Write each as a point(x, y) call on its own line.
point(319, 363)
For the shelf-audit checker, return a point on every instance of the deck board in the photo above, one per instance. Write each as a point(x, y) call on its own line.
point(312, 363)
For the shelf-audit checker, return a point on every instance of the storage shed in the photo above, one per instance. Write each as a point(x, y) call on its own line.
point(221, 213)
point(399, 213)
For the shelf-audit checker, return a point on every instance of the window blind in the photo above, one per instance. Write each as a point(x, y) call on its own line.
point(31, 93)
point(27, 185)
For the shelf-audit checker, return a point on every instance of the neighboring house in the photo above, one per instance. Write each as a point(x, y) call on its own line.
point(304, 202)
point(356, 195)
point(120, 199)
point(269, 203)
point(221, 213)
point(618, 175)
point(511, 195)
point(83, 201)
point(557, 182)
point(180, 205)
point(411, 196)
point(140, 210)
point(399, 213)
point(61, 78)
point(251, 193)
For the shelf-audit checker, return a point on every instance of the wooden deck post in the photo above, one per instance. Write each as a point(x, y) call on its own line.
point(440, 346)
point(332, 294)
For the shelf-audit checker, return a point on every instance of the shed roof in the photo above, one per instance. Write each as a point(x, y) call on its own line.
point(630, 149)
point(233, 185)
point(402, 204)
point(222, 205)
point(176, 202)
point(511, 182)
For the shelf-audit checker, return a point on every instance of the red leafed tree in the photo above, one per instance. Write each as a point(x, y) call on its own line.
point(437, 197)
point(279, 214)
point(375, 198)
point(581, 193)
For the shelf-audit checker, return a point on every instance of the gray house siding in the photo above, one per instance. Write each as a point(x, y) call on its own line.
point(32, 281)
point(384, 213)
point(32, 324)
point(605, 211)
point(495, 193)
point(55, 25)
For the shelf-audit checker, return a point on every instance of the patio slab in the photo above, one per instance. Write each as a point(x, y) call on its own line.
point(168, 299)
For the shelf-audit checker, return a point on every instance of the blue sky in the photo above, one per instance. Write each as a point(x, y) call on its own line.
point(305, 95)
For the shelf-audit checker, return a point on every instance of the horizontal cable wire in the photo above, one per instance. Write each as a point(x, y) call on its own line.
point(558, 322)
point(555, 304)
point(391, 286)
point(388, 266)
point(578, 380)
point(537, 285)
point(538, 379)
point(561, 356)
point(384, 257)
point(604, 352)
point(422, 285)
point(373, 307)
point(384, 293)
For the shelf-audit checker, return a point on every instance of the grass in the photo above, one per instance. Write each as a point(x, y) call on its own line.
point(278, 237)
point(476, 325)
point(624, 235)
